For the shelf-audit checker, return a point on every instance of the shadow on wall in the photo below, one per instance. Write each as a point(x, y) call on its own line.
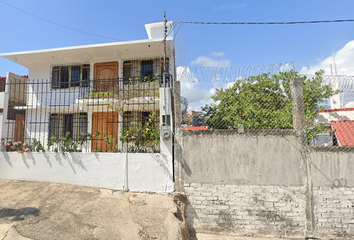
point(162, 160)
point(18, 214)
point(7, 158)
point(191, 215)
point(75, 160)
point(183, 163)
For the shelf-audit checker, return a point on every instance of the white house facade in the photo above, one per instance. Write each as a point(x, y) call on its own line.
point(99, 88)
point(101, 112)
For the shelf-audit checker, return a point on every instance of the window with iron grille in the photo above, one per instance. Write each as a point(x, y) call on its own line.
point(70, 76)
point(74, 124)
point(137, 117)
point(144, 70)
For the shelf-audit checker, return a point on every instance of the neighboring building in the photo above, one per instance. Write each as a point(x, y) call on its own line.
point(194, 128)
point(194, 119)
point(341, 122)
point(2, 84)
point(344, 132)
point(2, 97)
point(329, 115)
point(92, 88)
point(2, 101)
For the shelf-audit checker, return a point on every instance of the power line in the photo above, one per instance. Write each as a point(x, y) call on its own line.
point(269, 23)
point(59, 24)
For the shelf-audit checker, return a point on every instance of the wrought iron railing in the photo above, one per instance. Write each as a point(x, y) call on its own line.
point(108, 115)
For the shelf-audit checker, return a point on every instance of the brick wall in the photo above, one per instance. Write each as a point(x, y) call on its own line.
point(334, 212)
point(239, 209)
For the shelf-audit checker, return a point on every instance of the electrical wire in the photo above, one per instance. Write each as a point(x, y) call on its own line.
point(59, 24)
point(269, 23)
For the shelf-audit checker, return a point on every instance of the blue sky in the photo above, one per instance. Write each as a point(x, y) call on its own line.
point(309, 46)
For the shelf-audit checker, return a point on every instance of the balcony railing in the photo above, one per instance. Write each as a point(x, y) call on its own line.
point(124, 89)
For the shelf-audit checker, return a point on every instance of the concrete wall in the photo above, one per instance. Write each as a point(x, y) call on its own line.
point(333, 189)
point(120, 171)
point(256, 184)
point(241, 159)
point(242, 183)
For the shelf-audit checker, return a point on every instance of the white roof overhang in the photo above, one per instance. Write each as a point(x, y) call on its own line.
point(91, 53)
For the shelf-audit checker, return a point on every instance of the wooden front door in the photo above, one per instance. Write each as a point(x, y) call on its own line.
point(106, 76)
point(20, 127)
point(107, 124)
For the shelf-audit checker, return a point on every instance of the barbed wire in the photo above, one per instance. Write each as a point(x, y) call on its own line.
point(229, 74)
point(343, 83)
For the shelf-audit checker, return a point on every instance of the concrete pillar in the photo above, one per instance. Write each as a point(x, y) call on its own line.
point(177, 103)
point(177, 150)
point(299, 125)
point(299, 122)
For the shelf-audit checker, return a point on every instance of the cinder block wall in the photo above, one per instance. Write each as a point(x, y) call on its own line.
point(255, 184)
point(246, 210)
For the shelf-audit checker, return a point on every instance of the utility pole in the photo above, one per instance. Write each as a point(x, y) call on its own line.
point(164, 48)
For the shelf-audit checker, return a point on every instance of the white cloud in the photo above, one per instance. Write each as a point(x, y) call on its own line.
point(217, 54)
point(210, 62)
point(344, 59)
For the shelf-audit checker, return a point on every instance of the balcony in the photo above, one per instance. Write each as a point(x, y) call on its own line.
point(132, 91)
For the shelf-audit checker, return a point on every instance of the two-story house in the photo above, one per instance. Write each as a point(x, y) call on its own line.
point(112, 89)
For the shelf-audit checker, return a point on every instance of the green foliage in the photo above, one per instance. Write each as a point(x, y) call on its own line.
point(138, 138)
point(264, 102)
point(22, 147)
point(37, 146)
point(142, 138)
point(63, 144)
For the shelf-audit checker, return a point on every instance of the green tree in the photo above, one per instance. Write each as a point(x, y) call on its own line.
point(264, 102)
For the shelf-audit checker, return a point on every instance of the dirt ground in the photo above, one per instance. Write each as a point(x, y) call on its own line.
point(42, 211)
point(202, 236)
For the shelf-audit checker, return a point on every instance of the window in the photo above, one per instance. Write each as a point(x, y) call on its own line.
point(127, 71)
point(143, 70)
point(138, 117)
point(145, 116)
point(70, 76)
point(75, 124)
point(146, 70)
point(127, 120)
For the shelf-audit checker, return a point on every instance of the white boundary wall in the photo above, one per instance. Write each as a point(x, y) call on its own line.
point(120, 171)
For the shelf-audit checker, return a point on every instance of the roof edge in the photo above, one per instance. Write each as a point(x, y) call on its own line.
point(78, 47)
